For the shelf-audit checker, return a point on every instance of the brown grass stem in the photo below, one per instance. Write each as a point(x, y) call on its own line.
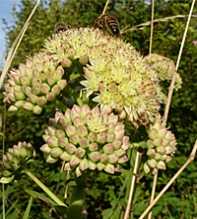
point(146, 24)
point(151, 26)
point(167, 186)
point(171, 87)
point(105, 7)
point(155, 177)
point(15, 45)
point(132, 186)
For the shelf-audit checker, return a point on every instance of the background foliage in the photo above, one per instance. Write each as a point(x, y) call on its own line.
point(101, 195)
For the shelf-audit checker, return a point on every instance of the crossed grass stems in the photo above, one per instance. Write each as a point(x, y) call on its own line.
point(191, 157)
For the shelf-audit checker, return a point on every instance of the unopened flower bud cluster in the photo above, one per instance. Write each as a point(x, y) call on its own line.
point(87, 139)
point(161, 147)
point(17, 156)
point(34, 83)
point(164, 67)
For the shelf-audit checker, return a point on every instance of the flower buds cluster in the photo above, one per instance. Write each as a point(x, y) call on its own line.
point(87, 139)
point(161, 147)
point(34, 83)
point(17, 156)
point(164, 67)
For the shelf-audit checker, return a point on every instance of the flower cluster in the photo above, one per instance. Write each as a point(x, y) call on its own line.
point(34, 83)
point(116, 74)
point(17, 156)
point(164, 67)
point(86, 139)
point(161, 147)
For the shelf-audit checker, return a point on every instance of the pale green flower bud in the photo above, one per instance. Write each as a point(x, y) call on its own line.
point(91, 165)
point(37, 110)
point(93, 146)
point(161, 165)
point(66, 63)
point(70, 148)
point(84, 60)
point(70, 130)
point(12, 108)
point(45, 148)
point(84, 164)
point(78, 172)
point(109, 168)
point(100, 166)
point(65, 156)
point(123, 159)
point(108, 148)
point(152, 163)
point(56, 152)
point(80, 152)
point(94, 156)
point(74, 161)
point(28, 106)
point(113, 158)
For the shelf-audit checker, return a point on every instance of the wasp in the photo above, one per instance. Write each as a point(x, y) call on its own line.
point(108, 23)
point(61, 27)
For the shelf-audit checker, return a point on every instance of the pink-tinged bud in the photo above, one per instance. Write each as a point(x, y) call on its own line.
point(170, 150)
point(110, 137)
point(45, 148)
point(96, 111)
point(62, 84)
point(119, 131)
point(37, 110)
point(60, 134)
point(56, 152)
point(106, 109)
point(83, 142)
point(41, 100)
point(66, 63)
point(160, 149)
point(100, 166)
point(80, 152)
point(74, 161)
point(63, 142)
point(83, 164)
point(55, 90)
point(50, 159)
point(123, 159)
point(146, 168)
point(102, 137)
point(78, 172)
point(82, 131)
point(167, 158)
point(108, 148)
point(67, 167)
point(119, 152)
point(94, 156)
point(65, 156)
point(122, 115)
point(93, 146)
point(52, 141)
point(77, 122)
point(92, 137)
point(51, 96)
point(109, 168)
point(91, 165)
point(151, 152)
point(112, 120)
point(85, 110)
point(152, 163)
point(125, 143)
point(161, 165)
point(12, 108)
point(70, 148)
point(117, 144)
point(75, 139)
point(113, 158)
point(28, 106)
point(104, 158)
point(70, 130)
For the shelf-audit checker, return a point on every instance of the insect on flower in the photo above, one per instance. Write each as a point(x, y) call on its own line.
point(108, 23)
point(61, 27)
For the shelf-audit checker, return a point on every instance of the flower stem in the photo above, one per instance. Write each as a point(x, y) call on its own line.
point(105, 7)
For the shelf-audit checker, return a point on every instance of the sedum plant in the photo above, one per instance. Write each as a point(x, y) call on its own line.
point(116, 89)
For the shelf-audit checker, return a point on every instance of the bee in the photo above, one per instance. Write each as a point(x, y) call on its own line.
point(108, 23)
point(61, 27)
